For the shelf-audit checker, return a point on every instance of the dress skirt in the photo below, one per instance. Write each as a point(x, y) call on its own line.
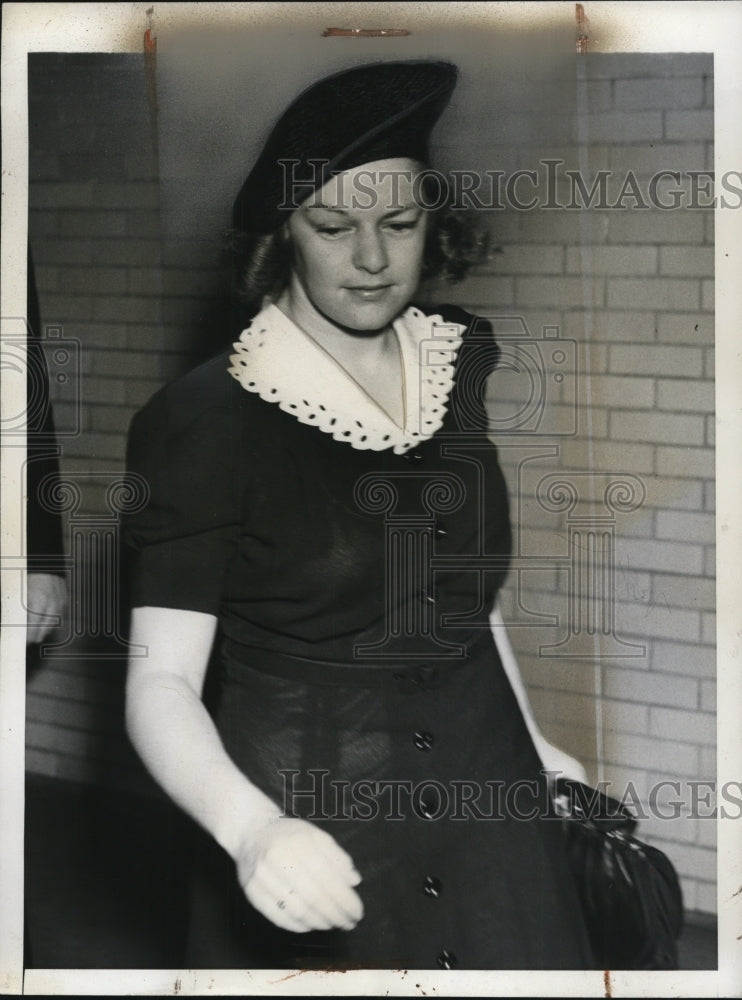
point(429, 779)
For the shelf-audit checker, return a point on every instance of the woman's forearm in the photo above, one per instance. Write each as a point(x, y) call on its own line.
point(176, 738)
point(174, 734)
point(512, 671)
point(553, 759)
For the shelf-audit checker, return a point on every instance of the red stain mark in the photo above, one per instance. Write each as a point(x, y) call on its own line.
point(150, 42)
point(365, 32)
point(607, 978)
point(150, 61)
point(291, 975)
point(582, 23)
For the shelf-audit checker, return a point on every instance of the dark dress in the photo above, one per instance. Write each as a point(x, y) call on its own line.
point(357, 682)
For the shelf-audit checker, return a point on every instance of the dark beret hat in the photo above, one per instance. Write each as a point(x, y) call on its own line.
point(367, 113)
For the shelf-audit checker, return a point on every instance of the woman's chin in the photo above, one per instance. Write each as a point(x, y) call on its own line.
point(368, 318)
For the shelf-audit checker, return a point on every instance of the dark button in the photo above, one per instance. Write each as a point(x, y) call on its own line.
point(423, 740)
point(414, 457)
point(428, 808)
point(447, 960)
point(432, 886)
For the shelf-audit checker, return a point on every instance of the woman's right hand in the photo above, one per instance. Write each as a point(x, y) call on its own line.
point(299, 877)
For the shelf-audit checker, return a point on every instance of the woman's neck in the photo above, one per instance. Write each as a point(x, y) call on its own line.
point(371, 358)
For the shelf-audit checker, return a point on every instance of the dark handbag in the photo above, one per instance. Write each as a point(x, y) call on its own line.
point(629, 891)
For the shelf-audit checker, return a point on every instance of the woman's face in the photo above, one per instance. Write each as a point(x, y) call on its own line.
point(358, 244)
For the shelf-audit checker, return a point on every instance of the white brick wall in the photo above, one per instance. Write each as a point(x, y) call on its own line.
point(634, 288)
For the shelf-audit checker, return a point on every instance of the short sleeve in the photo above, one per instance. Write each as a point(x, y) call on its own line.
point(477, 358)
point(179, 544)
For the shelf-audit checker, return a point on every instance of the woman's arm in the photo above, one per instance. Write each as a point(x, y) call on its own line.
point(291, 871)
point(552, 757)
point(46, 600)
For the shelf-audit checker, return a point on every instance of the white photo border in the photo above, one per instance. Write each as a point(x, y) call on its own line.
point(661, 26)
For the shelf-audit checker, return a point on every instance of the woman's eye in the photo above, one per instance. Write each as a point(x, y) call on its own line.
point(401, 227)
point(331, 230)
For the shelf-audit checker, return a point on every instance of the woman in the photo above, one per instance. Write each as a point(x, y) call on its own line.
point(328, 514)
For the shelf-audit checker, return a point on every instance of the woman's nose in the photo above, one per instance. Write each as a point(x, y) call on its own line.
point(369, 252)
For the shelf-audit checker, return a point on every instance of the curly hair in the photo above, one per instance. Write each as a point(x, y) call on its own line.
point(455, 242)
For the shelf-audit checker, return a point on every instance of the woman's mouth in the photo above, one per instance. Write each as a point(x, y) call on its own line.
point(368, 293)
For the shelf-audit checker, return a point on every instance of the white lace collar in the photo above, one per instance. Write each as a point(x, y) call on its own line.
point(276, 360)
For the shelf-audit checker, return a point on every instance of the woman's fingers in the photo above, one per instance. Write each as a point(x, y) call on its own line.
point(335, 879)
point(300, 903)
point(303, 880)
point(286, 906)
point(317, 875)
point(277, 904)
point(334, 854)
point(326, 894)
